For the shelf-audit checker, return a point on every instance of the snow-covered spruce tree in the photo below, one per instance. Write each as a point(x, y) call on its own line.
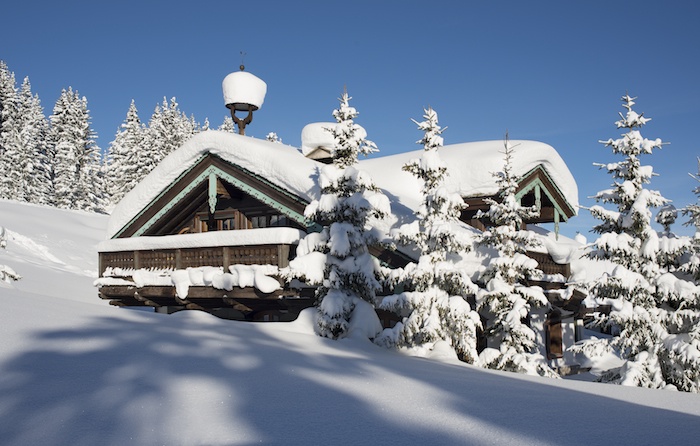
point(227, 125)
point(434, 301)
point(126, 156)
point(349, 199)
point(654, 312)
point(78, 182)
point(11, 139)
point(37, 169)
point(691, 264)
point(505, 299)
point(8, 93)
point(167, 130)
point(272, 137)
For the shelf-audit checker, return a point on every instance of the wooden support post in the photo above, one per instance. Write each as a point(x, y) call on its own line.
point(282, 256)
point(226, 258)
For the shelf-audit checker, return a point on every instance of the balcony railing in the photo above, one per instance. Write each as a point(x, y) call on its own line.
point(269, 246)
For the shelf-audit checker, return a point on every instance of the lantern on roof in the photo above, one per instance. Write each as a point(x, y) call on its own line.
point(243, 92)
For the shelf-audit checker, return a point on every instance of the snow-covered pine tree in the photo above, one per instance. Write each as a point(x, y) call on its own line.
point(691, 264)
point(272, 137)
point(655, 311)
point(126, 156)
point(505, 299)
point(167, 130)
point(78, 183)
point(434, 300)
point(8, 91)
point(13, 155)
point(349, 199)
point(227, 125)
point(36, 165)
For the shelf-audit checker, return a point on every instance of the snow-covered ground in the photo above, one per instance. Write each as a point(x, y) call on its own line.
point(75, 371)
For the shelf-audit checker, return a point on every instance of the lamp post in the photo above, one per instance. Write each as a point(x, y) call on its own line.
point(243, 92)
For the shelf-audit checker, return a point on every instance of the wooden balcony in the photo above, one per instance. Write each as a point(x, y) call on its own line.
point(181, 258)
point(265, 246)
point(268, 246)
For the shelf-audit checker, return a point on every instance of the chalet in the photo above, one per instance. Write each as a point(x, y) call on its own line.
point(211, 226)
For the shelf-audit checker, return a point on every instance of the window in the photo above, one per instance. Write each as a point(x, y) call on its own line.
point(278, 220)
point(227, 224)
point(259, 221)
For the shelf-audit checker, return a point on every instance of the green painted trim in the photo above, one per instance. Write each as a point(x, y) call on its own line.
point(549, 177)
point(168, 206)
point(182, 175)
point(299, 218)
point(212, 192)
point(210, 174)
point(537, 184)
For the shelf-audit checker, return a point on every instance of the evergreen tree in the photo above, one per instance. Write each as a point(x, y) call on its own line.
point(691, 264)
point(35, 165)
point(126, 156)
point(9, 132)
point(655, 310)
point(434, 300)
point(8, 93)
point(693, 210)
point(272, 137)
point(168, 129)
point(505, 299)
point(349, 199)
point(78, 182)
point(227, 125)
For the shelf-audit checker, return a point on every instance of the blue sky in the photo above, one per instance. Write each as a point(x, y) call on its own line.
point(547, 71)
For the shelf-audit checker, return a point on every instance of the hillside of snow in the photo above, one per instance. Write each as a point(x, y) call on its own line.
point(75, 371)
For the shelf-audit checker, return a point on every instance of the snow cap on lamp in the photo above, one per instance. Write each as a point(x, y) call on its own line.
point(243, 89)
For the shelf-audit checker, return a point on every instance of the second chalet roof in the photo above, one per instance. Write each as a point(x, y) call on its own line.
point(469, 165)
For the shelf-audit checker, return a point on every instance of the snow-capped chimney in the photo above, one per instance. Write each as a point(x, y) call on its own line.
point(243, 92)
point(317, 141)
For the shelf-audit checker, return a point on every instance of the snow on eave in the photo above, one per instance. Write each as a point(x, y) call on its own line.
point(247, 237)
point(277, 163)
point(471, 166)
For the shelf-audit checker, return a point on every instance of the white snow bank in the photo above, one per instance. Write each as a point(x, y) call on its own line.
point(260, 236)
point(81, 372)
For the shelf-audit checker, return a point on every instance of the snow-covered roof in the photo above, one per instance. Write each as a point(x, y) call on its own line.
point(279, 164)
point(469, 165)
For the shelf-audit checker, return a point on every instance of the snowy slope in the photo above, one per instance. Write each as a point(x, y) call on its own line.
point(74, 371)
